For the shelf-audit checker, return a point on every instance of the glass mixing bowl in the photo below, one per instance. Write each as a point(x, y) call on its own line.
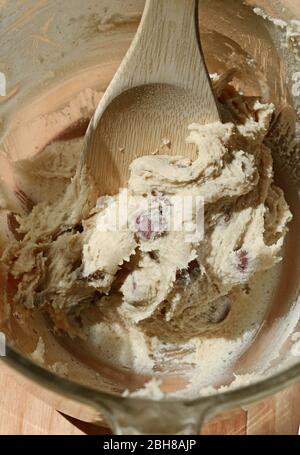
point(56, 59)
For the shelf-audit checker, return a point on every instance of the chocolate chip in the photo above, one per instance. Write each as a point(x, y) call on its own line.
point(182, 277)
point(154, 255)
point(227, 215)
point(243, 260)
point(98, 275)
point(192, 272)
point(144, 226)
point(194, 269)
point(150, 224)
point(78, 228)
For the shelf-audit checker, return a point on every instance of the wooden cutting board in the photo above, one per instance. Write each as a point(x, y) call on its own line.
point(22, 413)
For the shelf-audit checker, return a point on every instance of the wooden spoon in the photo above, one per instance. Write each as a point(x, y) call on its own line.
point(160, 88)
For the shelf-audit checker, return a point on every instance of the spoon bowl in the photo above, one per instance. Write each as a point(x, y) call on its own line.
point(144, 120)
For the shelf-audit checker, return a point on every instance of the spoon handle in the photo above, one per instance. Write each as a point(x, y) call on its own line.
point(166, 50)
point(168, 42)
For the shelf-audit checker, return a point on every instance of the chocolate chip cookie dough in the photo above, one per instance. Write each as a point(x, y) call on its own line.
point(151, 280)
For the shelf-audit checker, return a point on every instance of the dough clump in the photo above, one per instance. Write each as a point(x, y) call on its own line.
point(173, 285)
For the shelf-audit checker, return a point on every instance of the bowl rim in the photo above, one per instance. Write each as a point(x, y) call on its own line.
point(101, 400)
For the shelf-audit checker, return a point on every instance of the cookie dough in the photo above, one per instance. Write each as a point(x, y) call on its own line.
point(145, 274)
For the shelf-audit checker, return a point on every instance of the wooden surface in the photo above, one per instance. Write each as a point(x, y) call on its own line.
point(23, 414)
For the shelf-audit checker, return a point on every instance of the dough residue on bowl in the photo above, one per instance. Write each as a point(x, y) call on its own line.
point(145, 288)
